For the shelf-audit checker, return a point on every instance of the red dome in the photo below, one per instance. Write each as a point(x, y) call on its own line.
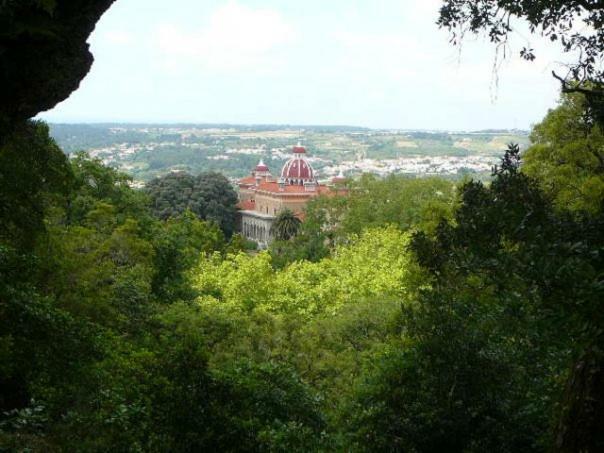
point(261, 167)
point(298, 169)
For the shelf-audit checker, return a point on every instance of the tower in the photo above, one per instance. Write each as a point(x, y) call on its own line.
point(297, 170)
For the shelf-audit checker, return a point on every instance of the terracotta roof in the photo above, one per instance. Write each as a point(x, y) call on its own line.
point(247, 205)
point(248, 180)
point(299, 149)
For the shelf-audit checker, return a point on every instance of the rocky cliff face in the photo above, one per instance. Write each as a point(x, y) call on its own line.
point(43, 53)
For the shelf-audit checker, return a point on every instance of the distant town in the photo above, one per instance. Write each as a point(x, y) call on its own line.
point(147, 151)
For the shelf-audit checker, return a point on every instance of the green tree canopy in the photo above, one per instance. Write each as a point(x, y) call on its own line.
point(372, 202)
point(209, 195)
point(567, 156)
point(32, 169)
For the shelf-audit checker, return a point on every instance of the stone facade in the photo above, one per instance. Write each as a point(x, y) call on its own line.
point(257, 227)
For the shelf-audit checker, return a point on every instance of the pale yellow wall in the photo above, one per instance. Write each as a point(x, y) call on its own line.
point(267, 204)
point(246, 194)
point(272, 204)
point(296, 205)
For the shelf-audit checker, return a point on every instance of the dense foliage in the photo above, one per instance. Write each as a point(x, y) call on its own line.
point(32, 169)
point(406, 315)
point(567, 156)
point(85, 271)
point(517, 289)
point(369, 202)
point(210, 196)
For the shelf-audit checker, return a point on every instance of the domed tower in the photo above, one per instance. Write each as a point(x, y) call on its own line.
point(297, 170)
point(261, 170)
point(339, 179)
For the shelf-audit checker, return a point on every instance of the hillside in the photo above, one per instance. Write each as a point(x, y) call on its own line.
point(146, 151)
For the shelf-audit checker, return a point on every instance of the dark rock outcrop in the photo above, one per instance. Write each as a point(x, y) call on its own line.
point(43, 54)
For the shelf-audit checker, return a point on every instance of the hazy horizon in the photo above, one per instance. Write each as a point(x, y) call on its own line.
point(383, 65)
point(265, 125)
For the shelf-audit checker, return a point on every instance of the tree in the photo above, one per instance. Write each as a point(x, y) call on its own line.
point(171, 194)
point(567, 156)
point(375, 264)
point(518, 281)
point(286, 225)
point(164, 394)
point(305, 246)
point(373, 202)
point(42, 347)
point(96, 184)
point(32, 170)
point(178, 243)
point(558, 21)
point(209, 196)
point(217, 200)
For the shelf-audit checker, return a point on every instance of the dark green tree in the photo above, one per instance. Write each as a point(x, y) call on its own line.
point(178, 243)
point(560, 22)
point(97, 185)
point(171, 195)
point(210, 196)
point(519, 283)
point(305, 246)
point(32, 170)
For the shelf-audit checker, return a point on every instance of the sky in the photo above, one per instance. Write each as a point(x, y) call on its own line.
point(372, 63)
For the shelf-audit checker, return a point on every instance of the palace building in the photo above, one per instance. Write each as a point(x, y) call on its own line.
point(262, 196)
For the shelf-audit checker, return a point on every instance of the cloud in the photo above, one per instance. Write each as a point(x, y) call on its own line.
point(235, 37)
